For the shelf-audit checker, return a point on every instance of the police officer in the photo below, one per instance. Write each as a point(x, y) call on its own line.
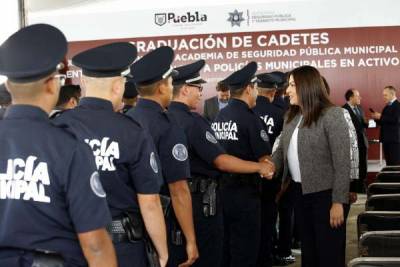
point(68, 98)
point(281, 100)
point(52, 205)
point(130, 96)
point(125, 155)
point(207, 159)
point(153, 77)
point(242, 134)
point(272, 116)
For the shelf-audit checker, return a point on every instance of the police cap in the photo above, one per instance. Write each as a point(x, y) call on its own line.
point(32, 53)
point(241, 78)
point(108, 60)
point(130, 90)
point(190, 73)
point(267, 80)
point(154, 66)
point(280, 77)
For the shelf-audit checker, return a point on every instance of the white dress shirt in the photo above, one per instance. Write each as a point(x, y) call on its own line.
point(293, 155)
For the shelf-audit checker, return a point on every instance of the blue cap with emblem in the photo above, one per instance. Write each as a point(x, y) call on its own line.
point(32, 53)
point(268, 81)
point(154, 66)
point(108, 60)
point(190, 73)
point(241, 78)
point(130, 90)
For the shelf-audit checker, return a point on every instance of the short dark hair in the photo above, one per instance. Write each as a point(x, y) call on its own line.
point(177, 89)
point(222, 87)
point(5, 97)
point(67, 92)
point(349, 93)
point(391, 88)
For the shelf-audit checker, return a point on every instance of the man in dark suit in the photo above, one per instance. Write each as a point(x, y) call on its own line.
point(389, 121)
point(214, 104)
point(353, 99)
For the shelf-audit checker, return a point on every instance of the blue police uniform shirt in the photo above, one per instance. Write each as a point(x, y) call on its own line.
point(241, 131)
point(124, 154)
point(49, 187)
point(203, 146)
point(168, 137)
point(271, 115)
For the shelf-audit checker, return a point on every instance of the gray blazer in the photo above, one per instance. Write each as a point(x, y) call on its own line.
point(211, 108)
point(324, 154)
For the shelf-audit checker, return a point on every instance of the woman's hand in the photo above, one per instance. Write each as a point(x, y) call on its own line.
point(337, 215)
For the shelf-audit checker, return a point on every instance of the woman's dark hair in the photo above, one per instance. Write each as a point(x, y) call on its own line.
point(312, 95)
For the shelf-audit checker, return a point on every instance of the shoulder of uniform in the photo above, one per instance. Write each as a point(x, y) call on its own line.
point(128, 119)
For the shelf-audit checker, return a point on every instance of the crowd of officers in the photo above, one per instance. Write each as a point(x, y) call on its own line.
point(153, 185)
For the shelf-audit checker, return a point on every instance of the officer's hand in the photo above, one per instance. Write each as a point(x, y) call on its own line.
point(192, 252)
point(267, 169)
point(337, 215)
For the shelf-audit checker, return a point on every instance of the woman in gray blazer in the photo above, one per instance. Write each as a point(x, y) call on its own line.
point(313, 157)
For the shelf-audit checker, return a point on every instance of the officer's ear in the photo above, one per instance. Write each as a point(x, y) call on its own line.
point(51, 86)
point(249, 89)
point(118, 86)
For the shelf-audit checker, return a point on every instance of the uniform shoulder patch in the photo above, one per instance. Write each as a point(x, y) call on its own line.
point(153, 162)
point(179, 151)
point(211, 138)
point(264, 135)
point(96, 185)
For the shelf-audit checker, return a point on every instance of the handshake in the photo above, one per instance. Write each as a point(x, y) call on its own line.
point(267, 169)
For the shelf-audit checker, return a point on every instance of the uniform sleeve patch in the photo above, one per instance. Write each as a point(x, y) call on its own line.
point(264, 135)
point(96, 185)
point(153, 162)
point(211, 138)
point(179, 151)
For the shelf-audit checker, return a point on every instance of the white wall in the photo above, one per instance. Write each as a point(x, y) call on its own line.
point(106, 19)
point(9, 21)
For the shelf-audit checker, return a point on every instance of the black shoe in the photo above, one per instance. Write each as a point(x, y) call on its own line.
point(283, 261)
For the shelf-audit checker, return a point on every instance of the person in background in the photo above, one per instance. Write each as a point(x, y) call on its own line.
point(214, 104)
point(130, 96)
point(353, 106)
point(389, 121)
point(68, 99)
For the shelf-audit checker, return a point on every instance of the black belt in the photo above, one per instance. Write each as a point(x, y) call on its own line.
point(39, 258)
point(199, 184)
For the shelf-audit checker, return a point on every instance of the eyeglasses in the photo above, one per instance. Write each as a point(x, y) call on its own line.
point(61, 78)
point(198, 86)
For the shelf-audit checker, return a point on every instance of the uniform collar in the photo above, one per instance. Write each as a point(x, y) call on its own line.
point(149, 104)
point(238, 103)
point(25, 112)
point(263, 98)
point(179, 105)
point(96, 103)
